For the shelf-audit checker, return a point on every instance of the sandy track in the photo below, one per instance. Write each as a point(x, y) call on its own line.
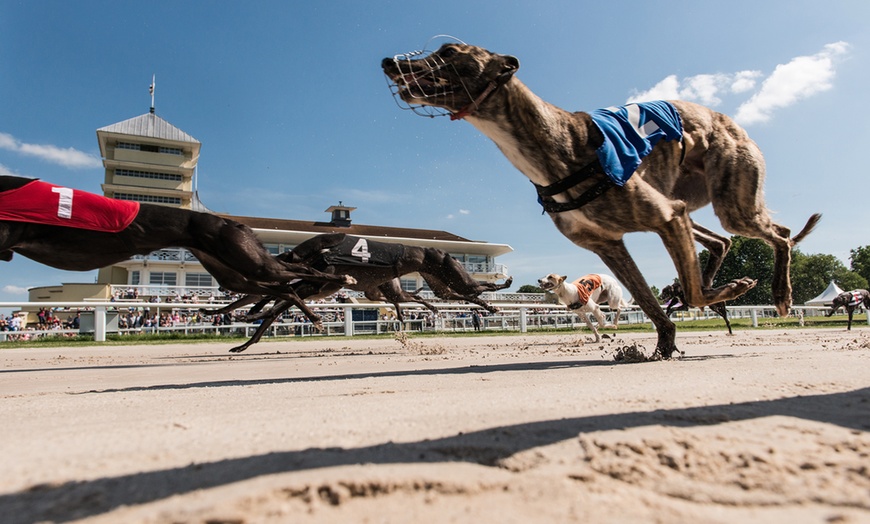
point(765, 426)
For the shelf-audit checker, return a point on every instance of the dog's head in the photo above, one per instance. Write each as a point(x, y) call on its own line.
point(551, 281)
point(449, 80)
point(671, 292)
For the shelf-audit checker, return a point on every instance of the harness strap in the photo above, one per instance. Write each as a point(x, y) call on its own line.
point(545, 193)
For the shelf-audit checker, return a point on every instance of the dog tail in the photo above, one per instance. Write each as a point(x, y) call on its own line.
point(811, 224)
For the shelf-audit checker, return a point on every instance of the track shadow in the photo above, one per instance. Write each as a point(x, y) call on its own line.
point(82, 499)
point(472, 369)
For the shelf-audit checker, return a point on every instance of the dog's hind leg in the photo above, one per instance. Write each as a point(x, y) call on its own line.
point(274, 313)
point(678, 236)
point(229, 308)
point(715, 244)
point(236, 246)
point(722, 311)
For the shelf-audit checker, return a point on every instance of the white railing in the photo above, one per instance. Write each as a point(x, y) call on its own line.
point(338, 318)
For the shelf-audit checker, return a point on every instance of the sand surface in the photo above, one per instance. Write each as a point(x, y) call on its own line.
point(764, 426)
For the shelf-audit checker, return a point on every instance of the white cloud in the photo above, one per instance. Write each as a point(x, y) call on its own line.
point(6, 171)
point(789, 83)
point(704, 89)
point(464, 212)
point(67, 157)
point(804, 76)
point(744, 81)
point(14, 290)
point(667, 89)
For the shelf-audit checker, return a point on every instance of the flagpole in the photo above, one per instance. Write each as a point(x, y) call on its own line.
point(151, 90)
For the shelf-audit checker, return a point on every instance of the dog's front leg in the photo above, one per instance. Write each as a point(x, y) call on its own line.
point(585, 316)
point(616, 257)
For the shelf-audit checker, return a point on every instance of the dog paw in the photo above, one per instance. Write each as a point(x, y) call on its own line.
point(737, 287)
point(743, 284)
point(349, 280)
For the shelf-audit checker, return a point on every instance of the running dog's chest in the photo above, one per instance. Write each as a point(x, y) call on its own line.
point(42, 203)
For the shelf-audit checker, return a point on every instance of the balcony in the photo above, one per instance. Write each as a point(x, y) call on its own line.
point(167, 255)
point(484, 268)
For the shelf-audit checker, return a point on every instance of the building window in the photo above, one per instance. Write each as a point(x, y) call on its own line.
point(149, 148)
point(162, 278)
point(134, 278)
point(148, 198)
point(197, 280)
point(149, 174)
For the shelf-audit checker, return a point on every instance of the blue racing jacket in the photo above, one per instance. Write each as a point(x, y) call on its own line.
point(631, 132)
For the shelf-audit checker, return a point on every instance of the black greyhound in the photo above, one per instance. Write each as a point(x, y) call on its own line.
point(676, 301)
point(227, 249)
point(850, 300)
point(376, 267)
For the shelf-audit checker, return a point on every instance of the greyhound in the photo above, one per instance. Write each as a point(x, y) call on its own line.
point(227, 249)
point(584, 295)
point(850, 300)
point(675, 300)
point(694, 157)
point(376, 267)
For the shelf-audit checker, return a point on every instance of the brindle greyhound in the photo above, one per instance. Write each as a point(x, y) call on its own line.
point(714, 162)
point(376, 267)
point(675, 300)
point(850, 300)
point(227, 249)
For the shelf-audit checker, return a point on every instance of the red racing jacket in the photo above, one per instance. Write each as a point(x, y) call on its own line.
point(43, 203)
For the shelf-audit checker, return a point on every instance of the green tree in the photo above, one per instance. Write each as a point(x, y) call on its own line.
point(860, 259)
point(528, 288)
point(656, 293)
point(811, 274)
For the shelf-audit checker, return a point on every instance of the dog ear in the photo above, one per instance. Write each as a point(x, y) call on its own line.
point(563, 278)
point(509, 64)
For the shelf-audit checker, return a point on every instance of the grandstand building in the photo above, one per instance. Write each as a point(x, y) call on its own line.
point(147, 159)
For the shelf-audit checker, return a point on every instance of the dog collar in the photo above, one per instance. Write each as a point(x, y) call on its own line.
point(475, 104)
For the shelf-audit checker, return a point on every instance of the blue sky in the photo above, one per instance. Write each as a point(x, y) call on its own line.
point(294, 113)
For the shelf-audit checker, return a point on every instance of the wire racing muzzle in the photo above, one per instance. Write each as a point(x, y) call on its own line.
point(421, 80)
